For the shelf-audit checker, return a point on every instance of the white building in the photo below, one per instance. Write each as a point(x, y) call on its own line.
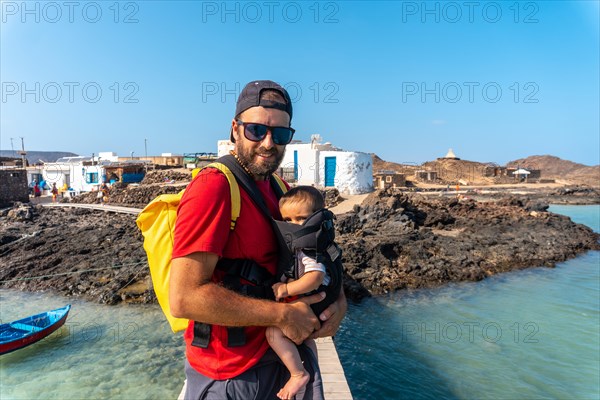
point(85, 174)
point(34, 173)
point(81, 173)
point(322, 165)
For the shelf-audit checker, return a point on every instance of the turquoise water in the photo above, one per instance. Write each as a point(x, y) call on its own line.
point(528, 334)
point(102, 352)
point(532, 334)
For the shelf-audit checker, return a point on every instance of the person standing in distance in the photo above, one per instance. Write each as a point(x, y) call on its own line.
point(227, 354)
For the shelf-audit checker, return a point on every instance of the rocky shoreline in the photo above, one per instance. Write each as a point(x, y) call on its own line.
point(394, 240)
point(567, 195)
point(76, 252)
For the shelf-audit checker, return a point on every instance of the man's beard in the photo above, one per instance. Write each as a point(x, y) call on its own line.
point(248, 158)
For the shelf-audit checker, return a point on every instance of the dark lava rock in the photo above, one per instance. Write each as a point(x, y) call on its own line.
point(395, 241)
point(168, 175)
point(332, 197)
point(76, 252)
point(392, 241)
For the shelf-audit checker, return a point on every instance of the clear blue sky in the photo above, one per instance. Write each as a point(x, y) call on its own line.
point(495, 81)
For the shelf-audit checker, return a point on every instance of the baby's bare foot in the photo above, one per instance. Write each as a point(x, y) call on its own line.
point(293, 386)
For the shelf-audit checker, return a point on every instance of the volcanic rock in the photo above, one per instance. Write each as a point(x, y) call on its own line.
point(392, 241)
point(395, 241)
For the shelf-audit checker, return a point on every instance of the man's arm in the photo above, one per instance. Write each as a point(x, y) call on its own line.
point(194, 296)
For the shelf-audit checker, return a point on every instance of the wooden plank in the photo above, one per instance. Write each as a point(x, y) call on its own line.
point(99, 207)
point(334, 380)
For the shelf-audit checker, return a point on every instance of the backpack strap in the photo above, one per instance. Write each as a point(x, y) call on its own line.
point(234, 191)
point(278, 185)
point(246, 182)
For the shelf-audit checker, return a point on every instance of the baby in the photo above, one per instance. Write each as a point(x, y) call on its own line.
point(296, 206)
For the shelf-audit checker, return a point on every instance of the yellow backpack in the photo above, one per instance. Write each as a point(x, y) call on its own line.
point(157, 224)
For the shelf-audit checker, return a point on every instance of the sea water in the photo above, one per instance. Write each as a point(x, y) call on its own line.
point(531, 334)
point(522, 335)
point(102, 352)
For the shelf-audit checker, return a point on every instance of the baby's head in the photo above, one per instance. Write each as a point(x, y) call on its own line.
point(300, 203)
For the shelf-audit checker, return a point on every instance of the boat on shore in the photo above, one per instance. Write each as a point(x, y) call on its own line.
point(24, 332)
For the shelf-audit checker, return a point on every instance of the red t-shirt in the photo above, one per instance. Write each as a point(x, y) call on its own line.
point(203, 225)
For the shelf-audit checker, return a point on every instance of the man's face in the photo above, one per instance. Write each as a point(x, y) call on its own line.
point(261, 158)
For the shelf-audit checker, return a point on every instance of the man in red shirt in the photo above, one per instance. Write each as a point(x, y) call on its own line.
point(221, 363)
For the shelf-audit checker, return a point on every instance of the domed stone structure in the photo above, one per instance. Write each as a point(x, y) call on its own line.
point(449, 156)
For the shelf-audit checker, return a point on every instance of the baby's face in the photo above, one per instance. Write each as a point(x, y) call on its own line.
point(296, 213)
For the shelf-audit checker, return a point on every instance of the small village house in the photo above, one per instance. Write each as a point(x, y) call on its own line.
point(85, 174)
point(322, 165)
point(521, 174)
point(426, 176)
point(165, 160)
point(388, 179)
point(13, 186)
point(11, 162)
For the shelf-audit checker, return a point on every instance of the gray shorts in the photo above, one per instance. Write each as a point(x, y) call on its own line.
point(261, 382)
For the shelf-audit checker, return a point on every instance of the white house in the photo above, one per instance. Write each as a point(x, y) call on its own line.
point(323, 165)
point(81, 173)
point(85, 174)
point(34, 173)
point(521, 174)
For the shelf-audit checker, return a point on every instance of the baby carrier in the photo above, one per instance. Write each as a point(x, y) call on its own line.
point(315, 237)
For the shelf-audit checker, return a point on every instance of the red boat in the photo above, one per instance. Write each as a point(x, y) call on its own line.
point(21, 333)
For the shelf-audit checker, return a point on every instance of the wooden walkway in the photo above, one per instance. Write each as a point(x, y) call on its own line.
point(334, 380)
point(99, 207)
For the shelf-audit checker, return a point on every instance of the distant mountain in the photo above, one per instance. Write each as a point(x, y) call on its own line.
point(34, 157)
point(552, 167)
point(559, 169)
point(382, 165)
point(550, 164)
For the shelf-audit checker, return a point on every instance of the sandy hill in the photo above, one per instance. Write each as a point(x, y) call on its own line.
point(382, 165)
point(448, 171)
point(563, 170)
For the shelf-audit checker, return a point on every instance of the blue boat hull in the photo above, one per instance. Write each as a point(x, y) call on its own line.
point(24, 332)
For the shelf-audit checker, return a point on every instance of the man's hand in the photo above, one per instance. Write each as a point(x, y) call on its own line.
point(332, 317)
point(300, 321)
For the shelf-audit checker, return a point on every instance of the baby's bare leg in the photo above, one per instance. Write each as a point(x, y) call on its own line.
point(288, 353)
point(313, 346)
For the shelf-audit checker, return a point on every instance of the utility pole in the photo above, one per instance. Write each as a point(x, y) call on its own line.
point(12, 147)
point(23, 153)
point(146, 154)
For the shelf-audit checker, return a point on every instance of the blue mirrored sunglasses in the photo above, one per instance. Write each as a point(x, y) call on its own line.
point(256, 132)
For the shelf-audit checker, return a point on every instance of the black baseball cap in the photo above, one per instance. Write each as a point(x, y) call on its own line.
point(250, 97)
